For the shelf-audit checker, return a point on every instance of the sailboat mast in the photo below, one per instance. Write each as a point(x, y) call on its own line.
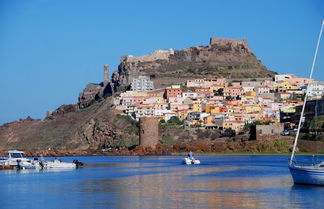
point(305, 99)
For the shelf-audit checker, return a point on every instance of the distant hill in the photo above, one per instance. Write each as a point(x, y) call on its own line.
point(93, 124)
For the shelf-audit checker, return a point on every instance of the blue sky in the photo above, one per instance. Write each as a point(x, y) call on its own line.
point(50, 49)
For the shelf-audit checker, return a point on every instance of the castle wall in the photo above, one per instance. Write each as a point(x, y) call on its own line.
point(149, 131)
point(233, 42)
point(156, 55)
point(259, 131)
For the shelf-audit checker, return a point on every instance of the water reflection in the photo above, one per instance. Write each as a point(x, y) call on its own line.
point(300, 198)
point(174, 187)
point(161, 182)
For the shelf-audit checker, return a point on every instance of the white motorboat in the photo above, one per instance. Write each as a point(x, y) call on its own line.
point(190, 161)
point(17, 160)
point(314, 173)
point(58, 164)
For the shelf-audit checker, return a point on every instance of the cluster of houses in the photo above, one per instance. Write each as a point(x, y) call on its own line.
point(217, 102)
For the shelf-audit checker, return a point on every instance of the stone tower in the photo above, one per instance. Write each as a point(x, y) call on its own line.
point(149, 131)
point(106, 73)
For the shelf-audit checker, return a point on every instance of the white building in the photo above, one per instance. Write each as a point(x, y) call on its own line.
point(262, 90)
point(248, 88)
point(142, 83)
point(284, 77)
point(316, 90)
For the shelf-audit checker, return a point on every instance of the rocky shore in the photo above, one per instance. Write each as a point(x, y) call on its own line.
point(275, 146)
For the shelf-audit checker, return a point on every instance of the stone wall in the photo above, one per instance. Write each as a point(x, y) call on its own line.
point(156, 55)
point(259, 131)
point(149, 131)
point(236, 43)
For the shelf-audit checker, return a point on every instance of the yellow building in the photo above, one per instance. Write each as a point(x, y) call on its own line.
point(182, 114)
point(196, 107)
point(234, 125)
point(215, 88)
point(252, 108)
point(250, 93)
point(284, 85)
point(212, 108)
point(209, 120)
point(139, 94)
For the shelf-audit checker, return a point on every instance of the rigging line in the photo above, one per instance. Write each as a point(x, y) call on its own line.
point(305, 99)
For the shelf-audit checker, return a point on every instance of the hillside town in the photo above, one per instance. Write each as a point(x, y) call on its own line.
point(220, 103)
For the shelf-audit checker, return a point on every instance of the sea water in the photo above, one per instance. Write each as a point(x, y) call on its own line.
point(220, 181)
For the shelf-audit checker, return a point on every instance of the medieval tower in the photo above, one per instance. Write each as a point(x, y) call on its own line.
point(149, 131)
point(106, 75)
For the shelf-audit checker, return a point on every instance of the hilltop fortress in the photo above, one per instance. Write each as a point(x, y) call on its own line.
point(234, 43)
point(165, 54)
point(230, 58)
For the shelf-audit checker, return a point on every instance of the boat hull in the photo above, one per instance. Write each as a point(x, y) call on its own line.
point(59, 165)
point(191, 161)
point(7, 167)
point(307, 175)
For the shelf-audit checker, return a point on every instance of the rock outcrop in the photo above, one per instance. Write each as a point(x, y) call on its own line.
point(94, 92)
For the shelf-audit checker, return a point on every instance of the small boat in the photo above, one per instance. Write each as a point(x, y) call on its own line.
point(58, 164)
point(190, 161)
point(313, 173)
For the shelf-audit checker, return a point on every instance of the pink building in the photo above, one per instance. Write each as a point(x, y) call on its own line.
point(139, 100)
point(298, 81)
point(206, 82)
point(205, 91)
point(189, 94)
point(268, 83)
point(233, 91)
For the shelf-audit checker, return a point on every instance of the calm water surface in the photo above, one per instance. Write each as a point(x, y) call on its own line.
point(161, 182)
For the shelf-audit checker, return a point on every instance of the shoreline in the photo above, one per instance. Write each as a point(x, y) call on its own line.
point(160, 150)
point(197, 153)
point(251, 153)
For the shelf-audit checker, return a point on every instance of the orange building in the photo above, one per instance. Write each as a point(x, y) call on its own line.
point(173, 91)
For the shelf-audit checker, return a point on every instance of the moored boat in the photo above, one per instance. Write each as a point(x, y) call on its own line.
point(17, 160)
point(309, 174)
point(313, 174)
point(190, 161)
point(58, 164)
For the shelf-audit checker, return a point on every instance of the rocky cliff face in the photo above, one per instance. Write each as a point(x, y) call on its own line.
point(230, 58)
point(94, 127)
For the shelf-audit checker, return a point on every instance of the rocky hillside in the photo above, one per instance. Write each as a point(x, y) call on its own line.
point(95, 127)
point(230, 58)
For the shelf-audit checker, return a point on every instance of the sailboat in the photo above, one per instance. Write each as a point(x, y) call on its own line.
point(310, 174)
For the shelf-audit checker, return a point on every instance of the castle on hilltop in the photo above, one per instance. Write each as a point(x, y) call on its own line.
point(234, 42)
